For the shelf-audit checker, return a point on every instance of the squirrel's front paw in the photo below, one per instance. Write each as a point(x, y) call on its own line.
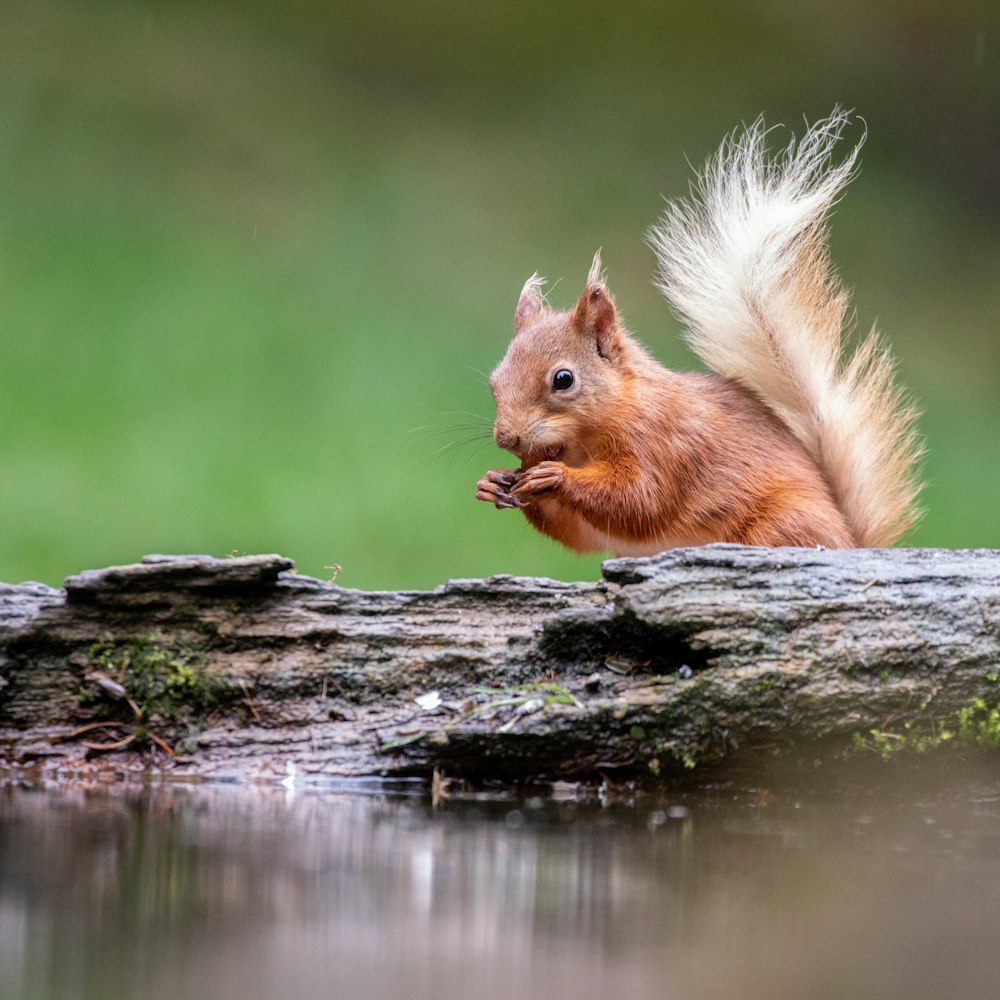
point(542, 478)
point(495, 488)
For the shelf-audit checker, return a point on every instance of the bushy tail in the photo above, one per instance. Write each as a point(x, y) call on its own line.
point(745, 264)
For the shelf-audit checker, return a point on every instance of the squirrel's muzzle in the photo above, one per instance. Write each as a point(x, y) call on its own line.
point(506, 437)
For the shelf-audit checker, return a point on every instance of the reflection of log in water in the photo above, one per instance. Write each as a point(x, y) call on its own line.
point(168, 889)
point(244, 668)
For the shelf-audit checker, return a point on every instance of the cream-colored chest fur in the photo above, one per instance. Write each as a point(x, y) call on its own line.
point(574, 529)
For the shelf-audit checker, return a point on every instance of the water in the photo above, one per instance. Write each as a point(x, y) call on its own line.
point(887, 890)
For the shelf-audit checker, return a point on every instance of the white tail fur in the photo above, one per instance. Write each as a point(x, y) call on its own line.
point(745, 264)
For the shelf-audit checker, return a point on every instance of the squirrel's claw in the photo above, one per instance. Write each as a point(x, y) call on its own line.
point(541, 478)
point(495, 488)
point(502, 501)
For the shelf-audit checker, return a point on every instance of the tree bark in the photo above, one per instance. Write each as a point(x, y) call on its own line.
point(240, 668)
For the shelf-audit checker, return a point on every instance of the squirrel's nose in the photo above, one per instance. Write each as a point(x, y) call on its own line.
point(505, 437)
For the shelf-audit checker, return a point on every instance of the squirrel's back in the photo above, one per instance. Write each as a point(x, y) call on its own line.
point(746, 266)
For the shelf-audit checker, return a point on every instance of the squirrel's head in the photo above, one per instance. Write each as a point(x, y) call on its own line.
point(561, 373)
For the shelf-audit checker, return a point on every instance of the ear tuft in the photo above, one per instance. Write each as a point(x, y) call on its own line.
point(596, 275)
point(530, 304)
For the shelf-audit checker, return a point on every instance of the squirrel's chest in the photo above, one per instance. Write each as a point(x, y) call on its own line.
point(572, 529)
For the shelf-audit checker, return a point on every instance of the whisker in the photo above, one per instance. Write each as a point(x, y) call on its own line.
point(433, 432)
point(481, 440)
point(483, 445)
point(467, 413)
point(477, 419)
point(480, 373)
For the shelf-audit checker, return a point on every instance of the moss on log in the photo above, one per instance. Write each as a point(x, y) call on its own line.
point(240, 668)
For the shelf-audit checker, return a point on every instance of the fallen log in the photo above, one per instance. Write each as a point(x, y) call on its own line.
point(241, 668)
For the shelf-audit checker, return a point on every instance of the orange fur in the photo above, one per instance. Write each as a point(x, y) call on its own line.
point(786, 446)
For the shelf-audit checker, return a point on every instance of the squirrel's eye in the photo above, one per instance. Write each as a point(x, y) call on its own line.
point(562, 379)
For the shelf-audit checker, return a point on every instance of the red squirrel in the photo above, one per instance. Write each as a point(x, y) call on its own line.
point(787, 442)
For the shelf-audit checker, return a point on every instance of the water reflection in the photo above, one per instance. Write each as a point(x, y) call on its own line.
point(181, 891)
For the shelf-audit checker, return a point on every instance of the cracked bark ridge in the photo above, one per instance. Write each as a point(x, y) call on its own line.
point(694, 657)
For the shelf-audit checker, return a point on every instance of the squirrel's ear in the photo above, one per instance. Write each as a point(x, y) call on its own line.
point(531, 303)
point(595, 314)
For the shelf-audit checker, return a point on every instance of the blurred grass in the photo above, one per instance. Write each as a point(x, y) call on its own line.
point(255, 260)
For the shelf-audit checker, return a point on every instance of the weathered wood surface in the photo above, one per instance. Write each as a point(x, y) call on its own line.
point(689, 658)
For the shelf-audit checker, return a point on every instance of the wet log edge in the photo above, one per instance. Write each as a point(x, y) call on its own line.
point(664, 667)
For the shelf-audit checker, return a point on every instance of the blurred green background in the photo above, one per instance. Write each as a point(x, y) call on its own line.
point(256, 259)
